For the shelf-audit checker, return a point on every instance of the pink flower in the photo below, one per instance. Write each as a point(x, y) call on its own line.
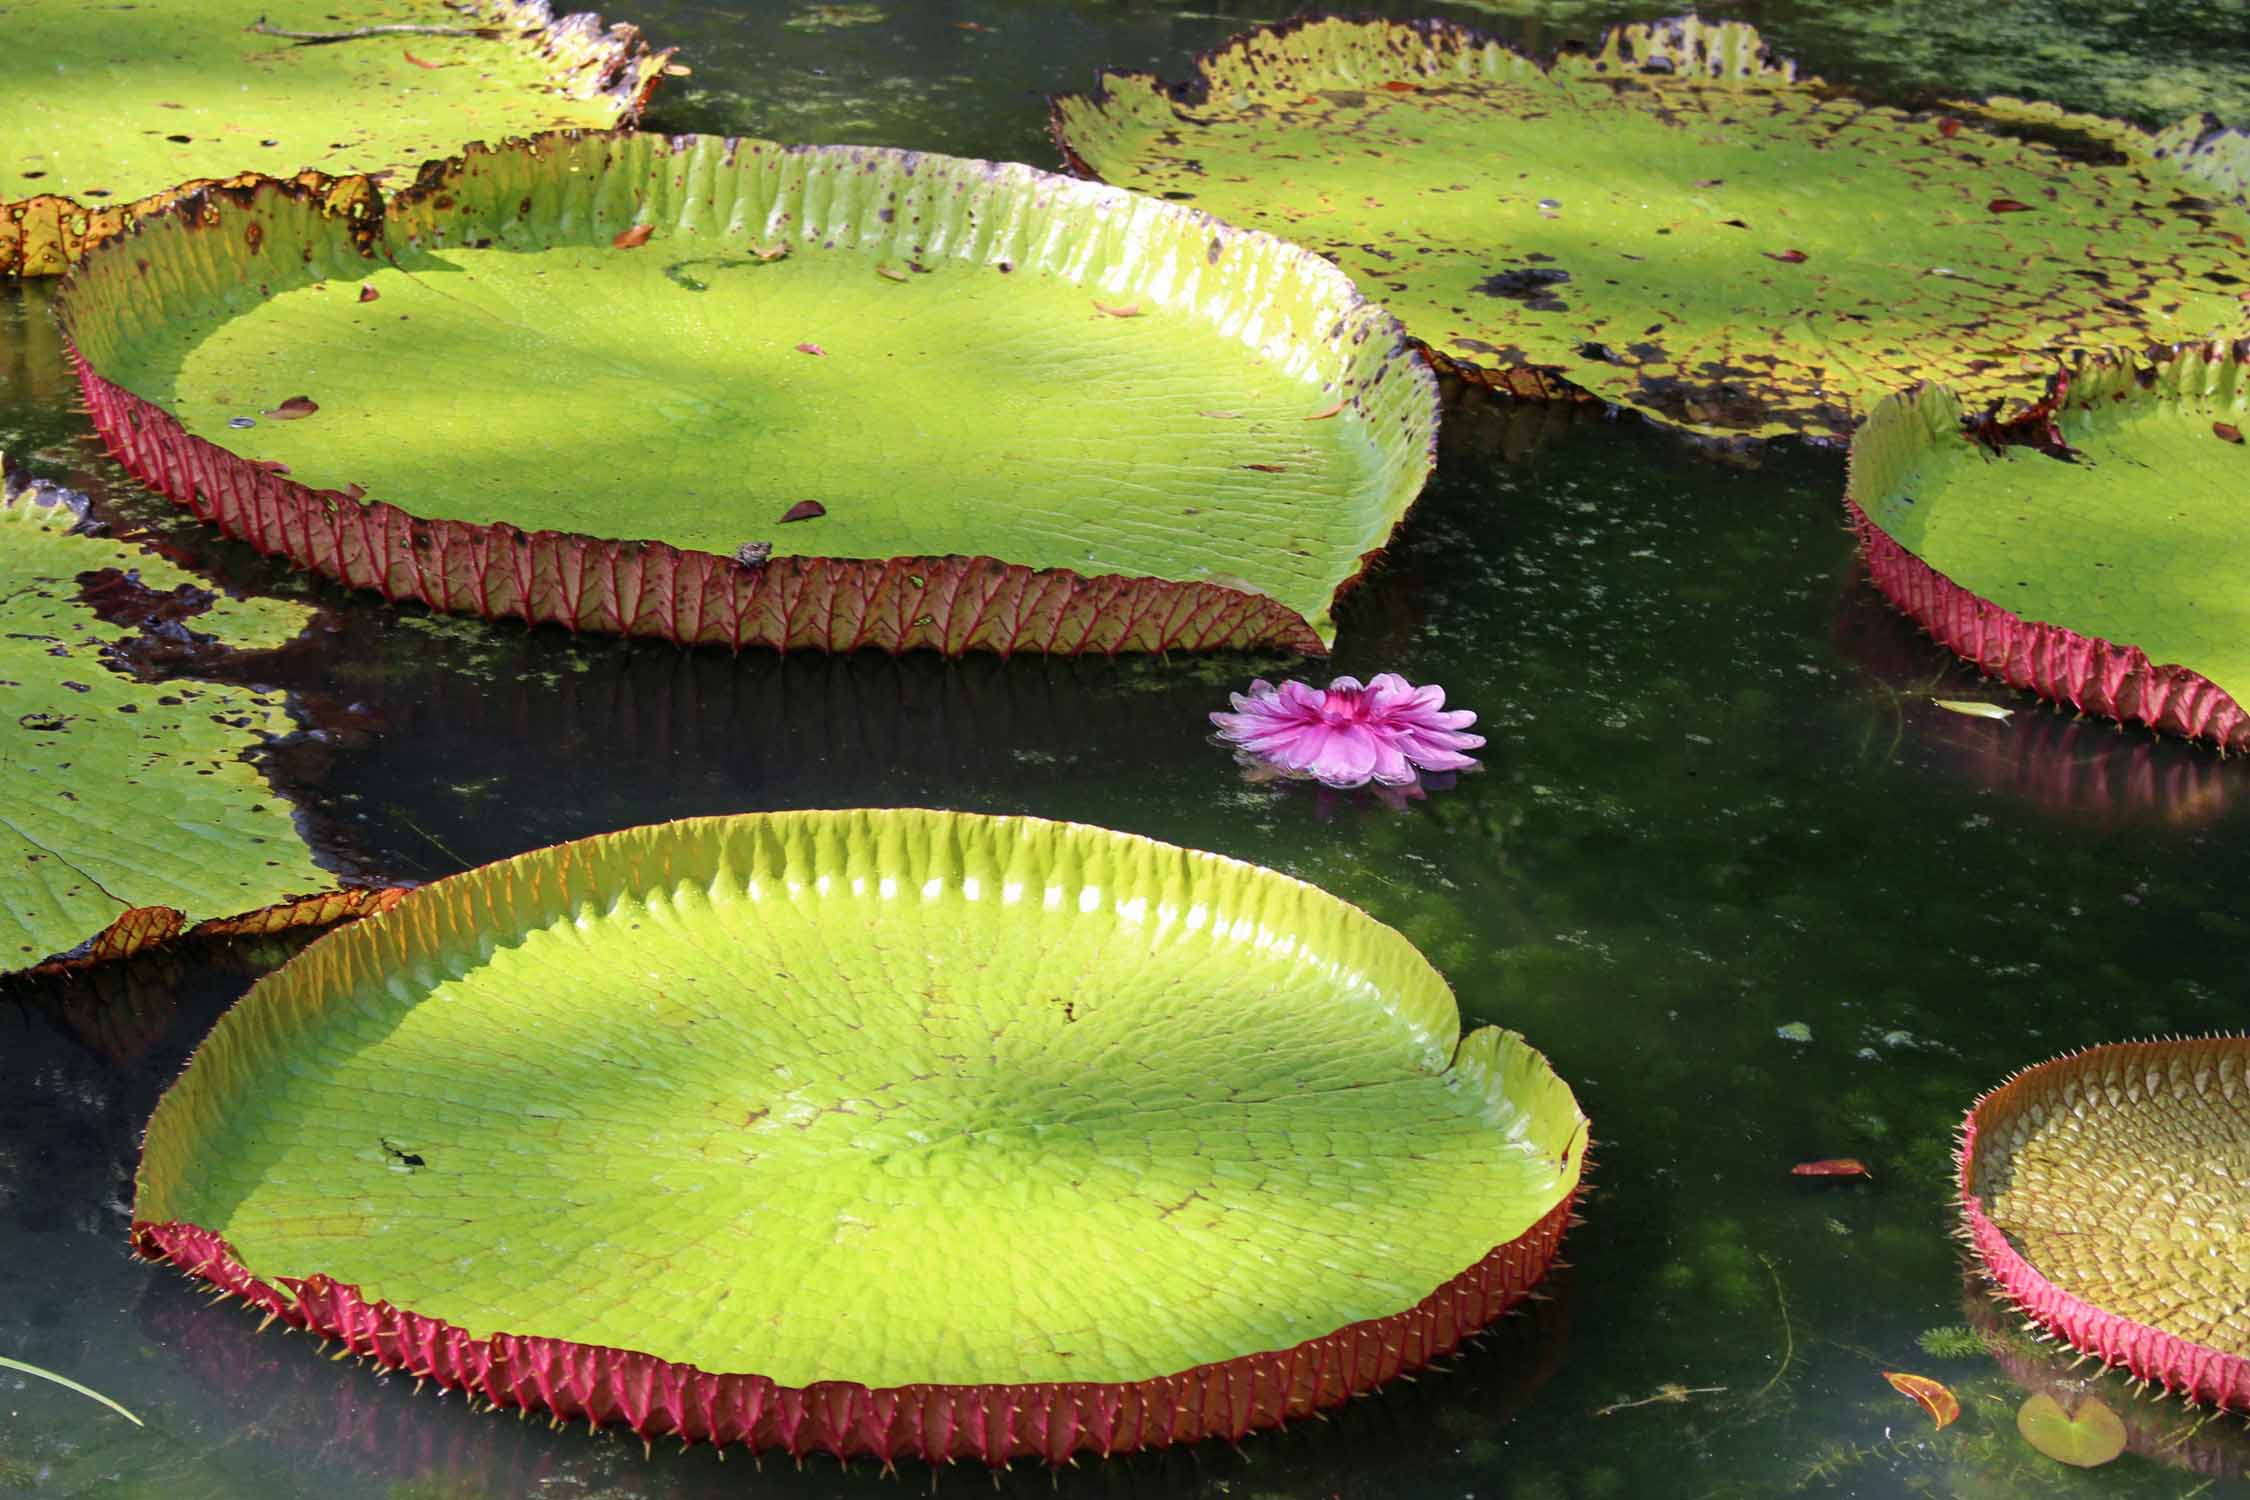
point(1348, 735)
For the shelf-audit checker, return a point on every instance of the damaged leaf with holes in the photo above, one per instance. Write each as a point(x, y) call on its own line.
point(1678, 223)
point(108, 112)
point(826, 397)
point(949, 1136)
point(2091, 551)
point(130, 810)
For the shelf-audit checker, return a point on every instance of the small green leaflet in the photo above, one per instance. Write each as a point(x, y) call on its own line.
point(1973, 709)
point(69, 1384)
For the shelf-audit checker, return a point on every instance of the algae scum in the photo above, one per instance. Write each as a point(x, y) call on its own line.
point(1758, 897)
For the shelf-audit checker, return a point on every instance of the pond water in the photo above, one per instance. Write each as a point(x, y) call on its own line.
point(1726, 864)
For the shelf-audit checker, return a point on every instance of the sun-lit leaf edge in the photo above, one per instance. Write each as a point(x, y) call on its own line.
point(653, 1397)
point(139, 929)
point(2206, 151)
point(2090, 674)
point(42, 235)
point(2179, 1366)
point(951, 604)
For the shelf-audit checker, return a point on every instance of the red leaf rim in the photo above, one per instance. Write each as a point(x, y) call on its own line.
point(949, 604)
point(996, 1423)
point(2088, 673)
point(2180, 1366)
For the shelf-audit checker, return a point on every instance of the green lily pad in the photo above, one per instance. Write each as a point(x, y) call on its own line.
point(2092, 551)
point(131, 810)
point(112, 111)
point(1678, 223)
point(729, 391)
point(2085, 1437)
point(892, 1132)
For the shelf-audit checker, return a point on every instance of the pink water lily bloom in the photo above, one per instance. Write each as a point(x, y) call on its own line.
point(1347, 735)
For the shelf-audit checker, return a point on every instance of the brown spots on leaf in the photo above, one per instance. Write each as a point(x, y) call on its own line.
point(804, 510)
point(1267, 468)
point(1788, 257)
point(293, 408)
point(368, 293)
point(2226, 432)
point(2008, 206)
point(890, 273)
point(1398, 86)
point(627, 239)
point(1530, 285)
point(1949, 127)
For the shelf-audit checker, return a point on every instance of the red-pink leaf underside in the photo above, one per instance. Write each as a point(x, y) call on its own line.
point(2085, 1183)
point(995, 1424)
point(971, 503)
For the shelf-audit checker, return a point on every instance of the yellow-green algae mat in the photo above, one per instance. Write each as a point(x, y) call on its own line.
point(130, 811)
point(2093, 550)
point(110, 111)
point(738, 393)
point(1676, 222)
point(884, 1132)
point(2105, 1193)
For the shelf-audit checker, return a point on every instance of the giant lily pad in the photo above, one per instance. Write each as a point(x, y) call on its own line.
point(2092, 551)
point(131, 812)
point(112, 111)
point(1678, 223)
point(2105, 1193)
point(728, 391)
point(870, 1132)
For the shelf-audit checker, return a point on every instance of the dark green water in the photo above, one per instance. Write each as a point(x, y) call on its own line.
point(1717, 803)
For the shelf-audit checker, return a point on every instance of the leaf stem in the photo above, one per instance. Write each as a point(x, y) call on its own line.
point(70, 1385)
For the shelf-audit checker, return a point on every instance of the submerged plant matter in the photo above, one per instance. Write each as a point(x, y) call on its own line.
point(113, 111)
point(132, 812)
point(946, 1136)
point(2102, 1194)
point(1346, 734)
point(2090, 550)
point(771, 338)
point(1676, 222)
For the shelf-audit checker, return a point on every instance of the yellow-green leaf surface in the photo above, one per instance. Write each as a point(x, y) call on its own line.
point(2140, 535)
point(121, 793)
point(106, 106)
point(683, 340)
point(1677, 223)
point(886, 1097)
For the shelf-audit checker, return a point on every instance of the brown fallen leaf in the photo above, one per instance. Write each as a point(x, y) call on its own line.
point(1322, 416)
point(770, 252)
point(890, 273)
point(1124, 310)
point(355, 491)
point(637, 235)
point(422, 62)
point(368, 293)
point(1791, 257)
point(1949, 127)
point(1930, 1395)
point(2008, 206)
point(811, 349)
point(804, 510)
point(1267, 468)
point(293, 408)
point(2226, 432)
point(1397, 87)
point(1220, 416)
point(678, 70)
point(1835, 1166)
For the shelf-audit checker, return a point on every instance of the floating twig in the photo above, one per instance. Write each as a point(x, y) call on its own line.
point(361, 33)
